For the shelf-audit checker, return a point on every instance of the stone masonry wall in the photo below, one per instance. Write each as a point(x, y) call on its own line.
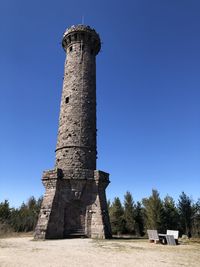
point(76, 144)
point(74, 206)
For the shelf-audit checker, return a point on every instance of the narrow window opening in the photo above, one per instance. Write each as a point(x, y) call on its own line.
point(69, 39)
point(75, 36)
point(70, 49)
point(82, 47)
point(66, 100)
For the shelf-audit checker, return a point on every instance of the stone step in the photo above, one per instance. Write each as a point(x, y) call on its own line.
point(76, 232)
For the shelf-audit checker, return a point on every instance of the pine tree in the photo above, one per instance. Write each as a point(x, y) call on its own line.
point(153, 211)
point(139, 219)
point(170, 214)
point(129, 213)
point(108, 204)
point(186, 213)
point(117, 217)
point(196, 221)
point(4, 211)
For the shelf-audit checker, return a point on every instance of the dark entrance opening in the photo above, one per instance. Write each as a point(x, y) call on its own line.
point(74, 219)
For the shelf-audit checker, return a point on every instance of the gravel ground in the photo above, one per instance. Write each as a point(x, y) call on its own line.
point(24, 252)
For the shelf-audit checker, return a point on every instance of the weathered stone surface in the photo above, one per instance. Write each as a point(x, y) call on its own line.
point(75, 200)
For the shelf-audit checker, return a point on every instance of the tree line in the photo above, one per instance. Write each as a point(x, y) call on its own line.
point(22, 219)
point(129, 217)
point(155, 213)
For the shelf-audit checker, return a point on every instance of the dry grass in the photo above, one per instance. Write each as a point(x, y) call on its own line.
point(23, 252)
point(8, 233)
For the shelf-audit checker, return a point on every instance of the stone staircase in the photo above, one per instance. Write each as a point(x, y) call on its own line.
point(75, 232)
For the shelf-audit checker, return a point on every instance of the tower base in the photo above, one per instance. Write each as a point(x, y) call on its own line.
point(74, 204)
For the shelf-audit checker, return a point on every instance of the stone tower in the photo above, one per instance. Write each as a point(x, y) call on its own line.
point(75, 202)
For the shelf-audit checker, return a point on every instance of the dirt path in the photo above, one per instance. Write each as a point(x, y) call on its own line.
point(24, 252)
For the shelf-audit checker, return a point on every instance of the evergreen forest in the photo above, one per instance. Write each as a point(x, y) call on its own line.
point(127, 217)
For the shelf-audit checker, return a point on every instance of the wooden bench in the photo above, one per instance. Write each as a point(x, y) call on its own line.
point(170, 240)
point(153, 236)
point(175, 234)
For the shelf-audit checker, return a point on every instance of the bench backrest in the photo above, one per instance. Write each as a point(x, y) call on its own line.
point(153, 234)
point(170, 240)
point(173, 232)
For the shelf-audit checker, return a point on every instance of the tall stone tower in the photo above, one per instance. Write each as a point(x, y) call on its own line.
point(75, 202)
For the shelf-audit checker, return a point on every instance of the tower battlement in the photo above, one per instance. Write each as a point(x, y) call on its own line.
point(81, 34)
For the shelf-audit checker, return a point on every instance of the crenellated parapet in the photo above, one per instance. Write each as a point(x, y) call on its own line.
point(81, 34)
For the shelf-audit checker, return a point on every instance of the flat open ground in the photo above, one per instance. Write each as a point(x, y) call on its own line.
point(24, 252)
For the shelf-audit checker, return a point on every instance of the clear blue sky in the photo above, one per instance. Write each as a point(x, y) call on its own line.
point(148, 88)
